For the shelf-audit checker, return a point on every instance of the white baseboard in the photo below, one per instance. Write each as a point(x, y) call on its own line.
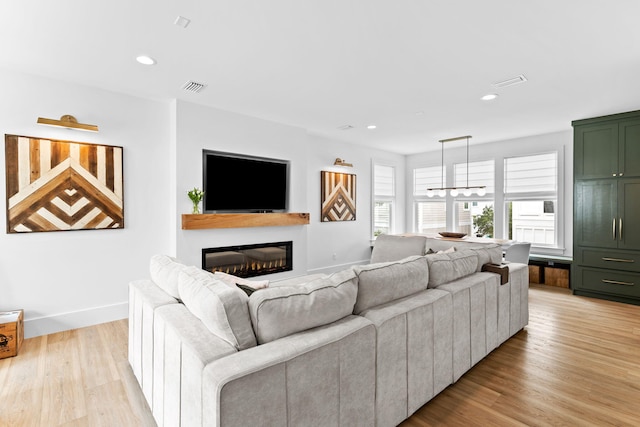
point(338, 267)
point(73, 320)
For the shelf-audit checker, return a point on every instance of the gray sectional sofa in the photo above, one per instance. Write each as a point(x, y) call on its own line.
point(366, 346)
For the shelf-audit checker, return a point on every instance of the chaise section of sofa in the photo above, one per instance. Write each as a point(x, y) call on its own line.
point(202, 361)
point(323, 376)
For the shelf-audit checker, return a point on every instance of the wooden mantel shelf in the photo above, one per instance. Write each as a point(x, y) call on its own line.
point(241, 220)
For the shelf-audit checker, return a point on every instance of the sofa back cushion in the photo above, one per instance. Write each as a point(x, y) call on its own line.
point(394, 248)
point(487, 252)
point(164, 271)
point(446, 267)
point(222, 308)
point(383, 282)
point(284, 310)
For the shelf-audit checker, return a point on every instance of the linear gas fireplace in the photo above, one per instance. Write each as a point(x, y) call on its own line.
point(249, 260)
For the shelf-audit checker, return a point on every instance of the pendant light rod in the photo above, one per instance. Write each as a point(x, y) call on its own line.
point(457, 138)
point(481, 189)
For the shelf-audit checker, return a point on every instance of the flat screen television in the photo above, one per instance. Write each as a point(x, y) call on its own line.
point(241, 183)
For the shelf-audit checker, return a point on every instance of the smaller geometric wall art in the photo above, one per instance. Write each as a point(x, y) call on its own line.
point(61, 185)
point(338, 194)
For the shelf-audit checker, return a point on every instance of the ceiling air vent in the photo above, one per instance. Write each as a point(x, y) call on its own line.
point(510, 82)
point(192, 86)
point(345, 127)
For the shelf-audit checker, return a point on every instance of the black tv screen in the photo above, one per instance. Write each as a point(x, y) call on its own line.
point(240, 183)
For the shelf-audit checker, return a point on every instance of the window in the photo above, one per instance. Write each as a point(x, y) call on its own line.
point(383, 199)
point(475, 218)
point(531, 195)
point(474, 213)
point(430, 216)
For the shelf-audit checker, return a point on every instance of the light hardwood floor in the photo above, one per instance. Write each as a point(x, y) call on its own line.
point(577, 363)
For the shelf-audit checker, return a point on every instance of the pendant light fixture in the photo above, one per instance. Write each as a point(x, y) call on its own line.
point(455, 191)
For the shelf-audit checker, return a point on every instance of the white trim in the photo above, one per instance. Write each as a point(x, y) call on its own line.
point(77, 319)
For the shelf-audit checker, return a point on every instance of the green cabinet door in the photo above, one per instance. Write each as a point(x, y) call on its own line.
point(629, 156)
point(629, 213)
point(596, 151)
point(595, 219)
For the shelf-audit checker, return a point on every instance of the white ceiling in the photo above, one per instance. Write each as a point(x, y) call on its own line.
point(322, 64)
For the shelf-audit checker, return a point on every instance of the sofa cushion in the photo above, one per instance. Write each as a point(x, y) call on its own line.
point(445, 267)
point(164, 271)
point(383, 282)
point(488, 254)
point(393, 248)
point(283, 310)
point(222, 308)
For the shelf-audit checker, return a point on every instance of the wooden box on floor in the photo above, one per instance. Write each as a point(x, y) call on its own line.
point(11, 332)
point(556, 277)
point(535, 273)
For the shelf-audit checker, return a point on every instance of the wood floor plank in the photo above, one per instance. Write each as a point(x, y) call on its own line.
point(577, 363)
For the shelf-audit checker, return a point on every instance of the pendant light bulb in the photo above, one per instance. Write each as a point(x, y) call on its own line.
point(430, 193)
point(442, 193)
point(453, 192)
point(467, 192)
point(482, 191)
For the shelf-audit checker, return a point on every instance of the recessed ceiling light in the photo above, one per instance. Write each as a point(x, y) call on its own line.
point(145, 60)
point(183, 22)
point(371, 127)
point(489, 97)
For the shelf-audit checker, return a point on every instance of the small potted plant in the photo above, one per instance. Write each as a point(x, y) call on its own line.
point(195, 195)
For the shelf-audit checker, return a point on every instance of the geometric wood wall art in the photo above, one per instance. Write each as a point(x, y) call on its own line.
point(60, 185)
point(338, 193)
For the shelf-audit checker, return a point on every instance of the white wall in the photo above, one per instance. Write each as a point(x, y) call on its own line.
point(560, 141)
point(314, 245)
point(199, 128)
point(335, 245)
point(65, 280)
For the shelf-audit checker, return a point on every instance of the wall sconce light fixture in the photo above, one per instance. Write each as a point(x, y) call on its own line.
point(69, 122)
point(340, 162)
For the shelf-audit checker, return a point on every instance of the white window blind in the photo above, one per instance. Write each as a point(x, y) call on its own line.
point(429, 177)
point(480, 173)
point(384, 185)
point(531, 174)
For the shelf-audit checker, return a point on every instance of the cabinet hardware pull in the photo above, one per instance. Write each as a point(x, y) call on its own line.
point(614, 229)
point(620, 230)
point(615, 282)
point(618, 259)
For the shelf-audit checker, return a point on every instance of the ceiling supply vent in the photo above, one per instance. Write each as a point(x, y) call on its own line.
point(345, 127)
point(192, 86)
point(510, 82)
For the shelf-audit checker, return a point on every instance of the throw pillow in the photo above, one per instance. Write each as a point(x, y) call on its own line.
point(247, 289)
point(222, 308)
point(233, 280)
point(284, 310)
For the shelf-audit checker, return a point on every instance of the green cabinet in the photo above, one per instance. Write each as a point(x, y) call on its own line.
point(606, 213)
point(607, 149)
point(606, 230)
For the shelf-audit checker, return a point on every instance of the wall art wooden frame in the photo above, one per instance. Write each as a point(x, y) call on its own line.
point(57, 185)
point(338, 196)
